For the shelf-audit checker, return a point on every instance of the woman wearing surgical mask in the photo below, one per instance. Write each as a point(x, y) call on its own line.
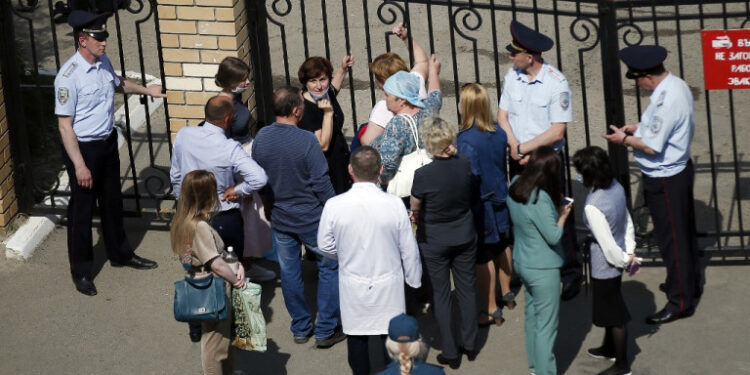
point(234, 78)
point(323, 115)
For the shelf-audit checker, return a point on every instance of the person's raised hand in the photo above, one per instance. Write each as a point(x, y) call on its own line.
point(347, 61)
point(617, 136)
point(155, 91)
point(325, 105)
point(400, 31)
point(434, 64)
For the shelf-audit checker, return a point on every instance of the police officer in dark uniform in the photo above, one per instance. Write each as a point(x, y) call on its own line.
point(661, 147)
point(84, 105)
point(534, 110)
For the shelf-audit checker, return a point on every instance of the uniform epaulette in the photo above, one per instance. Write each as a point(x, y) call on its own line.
point(71, 69)
point(556, 74)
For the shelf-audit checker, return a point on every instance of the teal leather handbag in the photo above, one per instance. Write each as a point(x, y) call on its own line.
point(200, 299)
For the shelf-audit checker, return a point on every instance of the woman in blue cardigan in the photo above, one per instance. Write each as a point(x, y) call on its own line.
point(538, 219)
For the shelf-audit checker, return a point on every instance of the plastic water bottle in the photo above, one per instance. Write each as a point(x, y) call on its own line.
point(231, 258)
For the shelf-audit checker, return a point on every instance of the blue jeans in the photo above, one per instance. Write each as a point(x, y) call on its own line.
point(288, 246)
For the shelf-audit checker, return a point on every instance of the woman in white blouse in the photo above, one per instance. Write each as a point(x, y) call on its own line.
point(606, 215)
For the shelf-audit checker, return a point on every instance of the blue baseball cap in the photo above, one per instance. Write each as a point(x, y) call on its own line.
point(642, 59)
point(405, 86)
point(403, 328)
point(527, 40)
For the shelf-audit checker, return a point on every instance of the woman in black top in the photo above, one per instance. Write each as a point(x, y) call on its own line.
point(441, 200)
point(234, 78)
point(323, 115)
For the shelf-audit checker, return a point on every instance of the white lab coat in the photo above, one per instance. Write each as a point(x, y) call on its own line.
point(370, 233)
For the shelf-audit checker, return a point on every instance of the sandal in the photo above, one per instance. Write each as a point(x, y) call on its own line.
point(496, 317)
point(509, 300)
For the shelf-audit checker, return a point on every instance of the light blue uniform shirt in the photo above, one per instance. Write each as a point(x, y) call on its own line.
point(207, 147)
point(667, 128)
point(533, 106)
point(87, 93)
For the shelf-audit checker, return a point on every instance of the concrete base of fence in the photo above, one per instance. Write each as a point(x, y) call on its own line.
point(25, 240)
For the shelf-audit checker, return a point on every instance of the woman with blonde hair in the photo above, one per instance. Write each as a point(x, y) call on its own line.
point(484, 143)
point(442, 196)
point(199, 247)
point(406, 348)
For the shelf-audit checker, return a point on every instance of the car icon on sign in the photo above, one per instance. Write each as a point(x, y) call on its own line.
point(722, 42)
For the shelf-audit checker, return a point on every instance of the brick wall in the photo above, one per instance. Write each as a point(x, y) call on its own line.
point(196, 35)
point(8, 202)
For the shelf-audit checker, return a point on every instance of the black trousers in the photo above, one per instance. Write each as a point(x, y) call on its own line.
point(231, 229)
point(572, 269)
point(670, 201)
point(460, 261)
point(103, 160)
point(358, 354)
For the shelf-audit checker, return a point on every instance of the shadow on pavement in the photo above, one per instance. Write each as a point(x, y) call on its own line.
point(270, 362)
point(574, 325)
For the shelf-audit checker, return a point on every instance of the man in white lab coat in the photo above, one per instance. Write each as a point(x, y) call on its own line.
point(370, 233)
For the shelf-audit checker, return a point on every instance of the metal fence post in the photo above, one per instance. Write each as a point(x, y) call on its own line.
point(613, 103)
point(260, 57)
point(14, 108)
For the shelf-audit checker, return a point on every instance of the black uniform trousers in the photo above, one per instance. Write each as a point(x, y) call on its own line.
point(670, 202)
point(459, 261)
point(572, 269)
point(358, 354)
point(103, 160)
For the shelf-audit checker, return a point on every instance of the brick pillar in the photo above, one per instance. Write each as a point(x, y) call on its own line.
point(196, 35)
point(8, 201)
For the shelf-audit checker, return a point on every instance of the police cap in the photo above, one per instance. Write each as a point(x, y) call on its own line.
point(527, 40)
point(642, 60)
point(93, 24)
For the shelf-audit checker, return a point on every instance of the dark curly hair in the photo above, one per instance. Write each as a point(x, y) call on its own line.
point(593, 164)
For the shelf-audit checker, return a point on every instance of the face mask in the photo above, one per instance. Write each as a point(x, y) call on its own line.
point(579, 178)
point(239, 90)
point(316, 98)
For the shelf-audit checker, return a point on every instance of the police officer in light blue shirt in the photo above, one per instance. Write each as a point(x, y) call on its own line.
point(84, 105)
point(534, 110)
point(661, 146)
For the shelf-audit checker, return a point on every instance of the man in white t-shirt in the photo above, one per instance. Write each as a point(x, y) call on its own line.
point(382, 68)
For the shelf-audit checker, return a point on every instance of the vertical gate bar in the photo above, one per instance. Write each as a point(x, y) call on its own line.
point(54, 34)
point(325, 28)
point(351, 78)
point(735, 161)
point(303, 16)
point(12, 90)
point(157, 31)
point(513, 8)
point(128, 137)
point(558, 49)
point(679, 37)
point(612, 84)
point(711, 151)
point(584, 98)
point(429, 26)
point(476, 55)
point(452, 25)
point(409, 37)
point(144, 99)
point(261, 60)
point(494, 50)
point(653, 19)
point(369, 52)
point(536, 14)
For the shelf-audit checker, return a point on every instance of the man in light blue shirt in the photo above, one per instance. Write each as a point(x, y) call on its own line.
point(661, 146)
point(534, 111)
point(84, 104)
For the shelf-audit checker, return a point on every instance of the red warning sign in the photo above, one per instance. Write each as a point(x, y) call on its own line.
point(726, 59)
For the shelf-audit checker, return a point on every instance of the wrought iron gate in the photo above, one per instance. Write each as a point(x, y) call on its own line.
point(36, 40)
point(469, 38)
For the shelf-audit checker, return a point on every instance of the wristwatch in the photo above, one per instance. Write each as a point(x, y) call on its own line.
point(518, 149)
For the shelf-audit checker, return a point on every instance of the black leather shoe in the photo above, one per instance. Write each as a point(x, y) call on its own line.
point(570, 289)
point(666, 316)
point(663, 287)
point(85, 286)
point(471, 355)
point(453, 363)
point(330, 341)
point(136, 262)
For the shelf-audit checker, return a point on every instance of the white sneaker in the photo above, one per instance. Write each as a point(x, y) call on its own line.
point(257, 273)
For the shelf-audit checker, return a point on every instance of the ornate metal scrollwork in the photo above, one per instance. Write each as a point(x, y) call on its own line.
point(157, 183)
point(387, 15)
point(471, 20)
point(583, 29)
point(631, 29)
point(275, 7)
point(135, 10)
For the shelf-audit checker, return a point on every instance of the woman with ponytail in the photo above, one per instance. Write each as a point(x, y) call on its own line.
point(407, 349)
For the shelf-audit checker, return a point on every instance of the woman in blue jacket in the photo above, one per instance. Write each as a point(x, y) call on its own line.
point(538, 219)
point(484, 143)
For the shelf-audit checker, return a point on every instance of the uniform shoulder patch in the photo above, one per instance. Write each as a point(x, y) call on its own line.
point(70, 70)
point(656, 124)
point(556, 74)
point(660, 100)
point(62, 95)
point(564, 100)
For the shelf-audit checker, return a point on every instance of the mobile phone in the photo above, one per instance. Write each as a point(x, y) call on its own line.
point(568, 200)
point(634, 266)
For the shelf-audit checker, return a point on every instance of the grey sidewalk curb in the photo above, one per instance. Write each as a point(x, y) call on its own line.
point(25, 240)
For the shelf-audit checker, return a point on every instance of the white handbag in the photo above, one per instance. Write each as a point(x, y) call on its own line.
point(400, 184)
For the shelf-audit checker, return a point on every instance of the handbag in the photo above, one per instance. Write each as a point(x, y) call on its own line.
point(400, 184)
point(198, 299)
